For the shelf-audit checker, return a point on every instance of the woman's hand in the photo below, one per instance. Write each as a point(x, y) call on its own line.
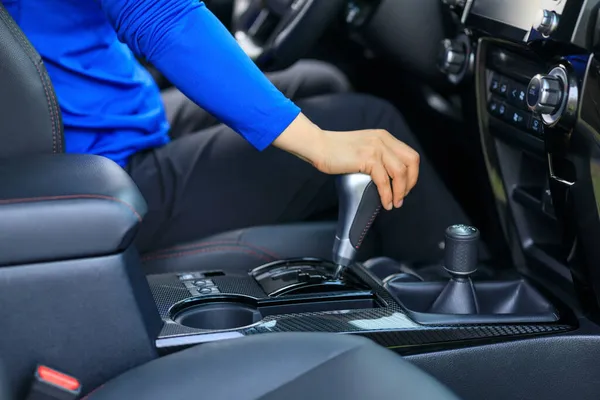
point(393, 165)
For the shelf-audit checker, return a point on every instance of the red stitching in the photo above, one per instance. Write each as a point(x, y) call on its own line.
point(73, 196)
point(189, 253)
point(364, 232)
point(217, 243)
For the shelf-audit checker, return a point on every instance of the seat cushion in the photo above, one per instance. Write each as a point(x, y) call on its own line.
point(244, 249)
point(278, 366)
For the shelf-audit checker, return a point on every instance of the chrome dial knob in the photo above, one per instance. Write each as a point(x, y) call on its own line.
point(545, 94)
point(452, 57)
point(546, 22)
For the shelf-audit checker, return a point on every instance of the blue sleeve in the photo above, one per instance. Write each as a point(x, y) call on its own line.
point(189, 45)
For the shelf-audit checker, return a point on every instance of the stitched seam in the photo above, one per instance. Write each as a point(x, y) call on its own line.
point(214, 250)
point(217, 243)
point(50, 109)
point(20, 38)
point(364, 232)
point(54, 102)
point(72, 197)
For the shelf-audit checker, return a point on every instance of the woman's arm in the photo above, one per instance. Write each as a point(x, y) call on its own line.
point(187, 43)
point(191, 47)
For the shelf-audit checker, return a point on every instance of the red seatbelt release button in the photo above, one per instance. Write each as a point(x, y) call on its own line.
point(50, 384)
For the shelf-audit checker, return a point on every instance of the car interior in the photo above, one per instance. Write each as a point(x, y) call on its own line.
point(504, 97)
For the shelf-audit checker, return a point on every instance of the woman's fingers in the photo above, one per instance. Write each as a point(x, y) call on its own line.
point(382, 181)
point(409, 157)
point(398, 172)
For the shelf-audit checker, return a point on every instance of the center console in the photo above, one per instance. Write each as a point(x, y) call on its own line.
point(530, 69)
point(401, 310)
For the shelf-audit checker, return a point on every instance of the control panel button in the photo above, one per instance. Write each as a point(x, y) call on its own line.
point(190, 276)
point(517, 95)
point(517, 118)
point(503, 89)
point(495, 85)
point(204, 283)
point(497, 108)
point(208, 290)
point(536, 125)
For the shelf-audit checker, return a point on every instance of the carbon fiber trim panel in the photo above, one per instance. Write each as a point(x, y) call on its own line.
point(387, 325)
point(243, 286)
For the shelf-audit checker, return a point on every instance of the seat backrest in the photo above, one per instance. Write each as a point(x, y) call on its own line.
point(30, 120)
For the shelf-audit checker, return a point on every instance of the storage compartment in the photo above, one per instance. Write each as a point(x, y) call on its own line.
point(234, 313)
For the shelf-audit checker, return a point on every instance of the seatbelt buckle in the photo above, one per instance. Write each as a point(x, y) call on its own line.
point(50, 384)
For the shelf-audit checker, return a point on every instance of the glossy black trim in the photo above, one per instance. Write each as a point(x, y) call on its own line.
point(579, 151)
point(503, 146)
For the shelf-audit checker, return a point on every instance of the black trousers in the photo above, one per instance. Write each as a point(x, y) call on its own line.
point(209, 180)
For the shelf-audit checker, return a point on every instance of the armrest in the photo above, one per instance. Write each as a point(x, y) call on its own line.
point(66, 206)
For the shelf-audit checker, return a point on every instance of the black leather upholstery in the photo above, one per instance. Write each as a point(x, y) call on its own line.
point(244, 249)
point(64, 206)
point(5, 390)
point(278, 366)
point(31, 121)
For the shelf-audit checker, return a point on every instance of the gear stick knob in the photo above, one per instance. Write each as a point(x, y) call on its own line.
point(460, 257)
point(359, 204)
point(458, 296)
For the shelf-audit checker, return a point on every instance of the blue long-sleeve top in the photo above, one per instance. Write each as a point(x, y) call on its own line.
point(111, 105)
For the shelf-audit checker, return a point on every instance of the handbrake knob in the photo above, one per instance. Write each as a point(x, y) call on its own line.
point(359, 205)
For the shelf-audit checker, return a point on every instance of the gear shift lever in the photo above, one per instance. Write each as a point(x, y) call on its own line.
point(460, 261)
point(359, 204)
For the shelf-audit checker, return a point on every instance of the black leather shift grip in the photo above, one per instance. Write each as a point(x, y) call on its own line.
point(369, 207)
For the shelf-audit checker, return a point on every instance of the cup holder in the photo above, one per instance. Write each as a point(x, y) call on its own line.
point(235, 312)
point(218, 316)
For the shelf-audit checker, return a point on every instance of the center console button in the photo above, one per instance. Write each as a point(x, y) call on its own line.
point(495, 85)
point(517, 96)
point(517, 118)
point(536, 125)
point(503, 88)
point(497, 108)
point(499, 85)
point(204, 283)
